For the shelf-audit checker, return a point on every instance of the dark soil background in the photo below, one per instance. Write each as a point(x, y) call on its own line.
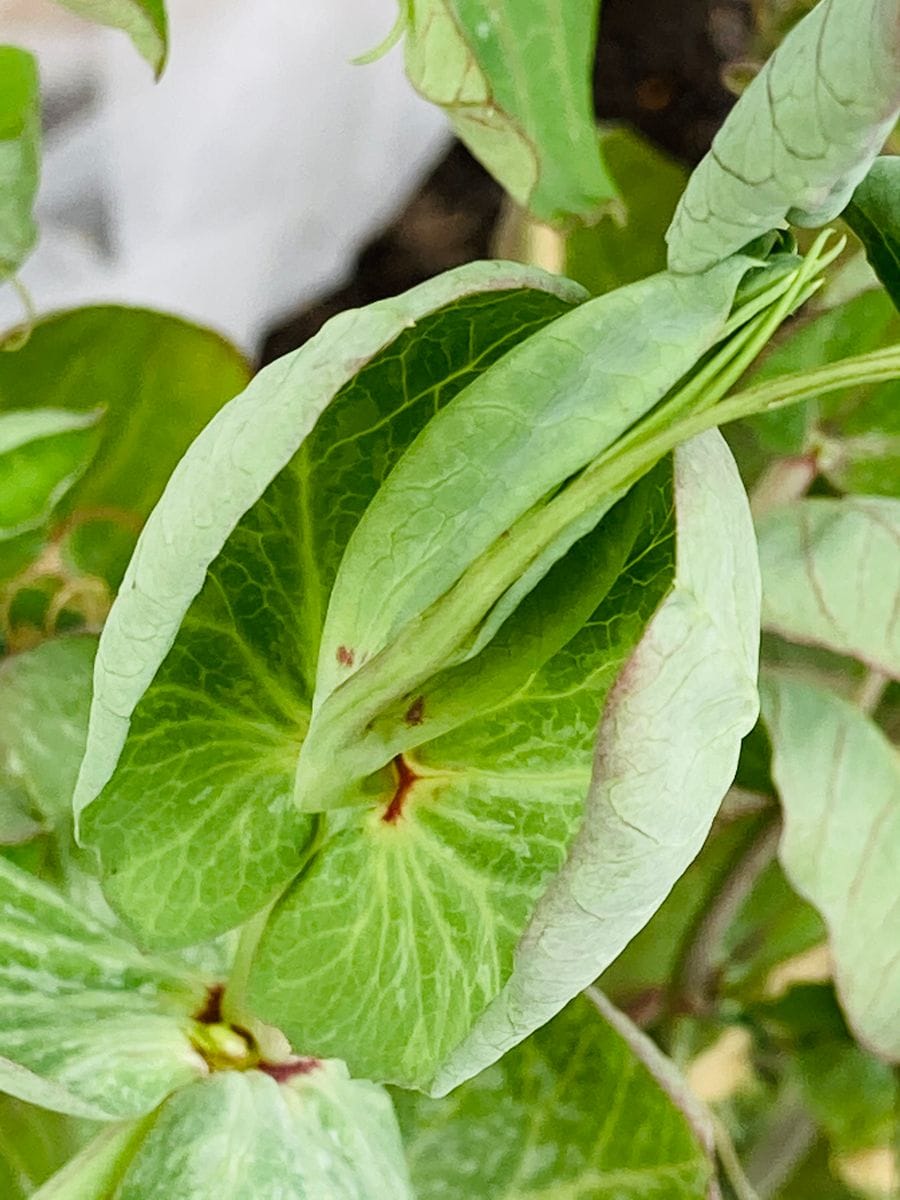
point(659, 67)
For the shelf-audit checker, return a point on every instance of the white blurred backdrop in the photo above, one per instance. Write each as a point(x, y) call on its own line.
point(240, 186)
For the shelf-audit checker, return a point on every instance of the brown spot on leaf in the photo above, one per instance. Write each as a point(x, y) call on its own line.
point(415, 714)
point(406, 777)
point(283, 1071)
point(211, 1012)
point(345, 656)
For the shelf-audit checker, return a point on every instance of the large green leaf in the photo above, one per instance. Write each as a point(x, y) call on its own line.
point(88, 1025)
point(831, 576)
point(851, 436)
point(42, 453)
point(157, 380)
point(874, 216)
point(144, 21)
point(501, 451)
point(685, 699)
point(204, 790)
point(839, 782)
point(514, 76)
point(20, 142)
point(446, 880)
point(800, 138)
point(571, 1112)
point(242, 1136)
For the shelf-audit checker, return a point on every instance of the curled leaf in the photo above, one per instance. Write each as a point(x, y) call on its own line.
point(144, 21)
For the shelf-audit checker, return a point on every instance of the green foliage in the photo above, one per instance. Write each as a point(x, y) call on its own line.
point(800, 138)
point(572, 1111)
point(20, 140)
point(874, 216)
point(831, 575)
point(144, 21)
point(839, 782)
point(514, 77)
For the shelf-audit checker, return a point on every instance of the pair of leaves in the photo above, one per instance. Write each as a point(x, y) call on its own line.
point(584, 1107)
point(20, 141)
point(514, 77)
point(207, 667)
point(800, 138)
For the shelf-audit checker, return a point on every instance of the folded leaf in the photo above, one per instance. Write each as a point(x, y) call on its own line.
point(88, 1025)
point(155, 379)
point(515, 79)
point(197, 829)
point(144, 21)
point(874, 216)
point(572, 1111)
point(831, 576)
point(242, 1136)
point(20, 142)
point(800, 138)
point(839, 782)
point(94, 1173)
point(686, 697)
point(42, 454)
point(34, 1144)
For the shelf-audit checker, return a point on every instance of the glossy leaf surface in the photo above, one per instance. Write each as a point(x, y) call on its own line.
point(20, 141)
point(874, 216)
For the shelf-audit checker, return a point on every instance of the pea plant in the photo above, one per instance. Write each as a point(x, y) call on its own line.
point(365, 725)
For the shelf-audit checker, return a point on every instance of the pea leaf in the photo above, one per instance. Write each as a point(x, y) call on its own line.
point(88, 1025)
point(44, 701)
point(851, 436)
point(134, 366)
point(241, 1135)
point(448, 870)
point(573, 1108)
point(874, 216)
point(831, 575)
point(206, 778)
point(42, 454)
point(34, 1143)
point(514, 76)
point(20, 142)
point(839, 782)
point(144, 21)
point(800, 138)
point(686, 697)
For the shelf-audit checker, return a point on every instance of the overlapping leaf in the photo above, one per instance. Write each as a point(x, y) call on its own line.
point(515, 79)
point(243, 1136)
point(197, 829)
point(831, 576)
point(144, 21)
point(801, 137)
point(156, 382)
point(572, 1111)
point(88, 1025)
point(20, 141)
point(874, 216)
point(839, 782)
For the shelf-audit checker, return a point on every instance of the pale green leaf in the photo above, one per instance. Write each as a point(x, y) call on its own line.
point(448, 873)
point(800, 138)
point(20, 148)
point(204, 789)
point(144, 21)
point(44, 700)
point(572, 1112)
point(874, 216)
point(685, 698)
point(94, 1173)
point(831, 576)
point(88, 1025)
point(157, 381)
point(242, 1136)
point(839, 782)
point(515, 78)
